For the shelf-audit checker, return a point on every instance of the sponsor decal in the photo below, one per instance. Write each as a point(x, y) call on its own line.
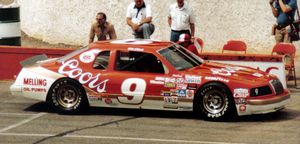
point(192, 86)
point(135, 49)
point(95, 98)
point(179, 81)
point(160, 78)
point(108, 101)
point(170, 80)
point(225, 71)
point(34, 82)
point(240, 101)
point(181, 86)
point(181, 93)
point(222, 72)
point(166, 93)
point(27, 89)
point(177, 75)
point(171, 102)
point(257, 74)
point(173, 92)
point(156, 82)
point(242, 108)
point(193, 79)
point(88, 56)
point(240, 93)
point(190, 94)
point(217, 79)
point(71, 69)
point(170, 85)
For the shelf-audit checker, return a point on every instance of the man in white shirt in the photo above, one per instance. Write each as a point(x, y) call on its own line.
point(139, 18)
point(181, 20)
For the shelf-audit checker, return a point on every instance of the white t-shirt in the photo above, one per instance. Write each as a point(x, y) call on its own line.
point(132, 12)
point(181, 17)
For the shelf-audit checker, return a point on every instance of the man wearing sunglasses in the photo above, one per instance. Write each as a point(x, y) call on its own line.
point(102, 29)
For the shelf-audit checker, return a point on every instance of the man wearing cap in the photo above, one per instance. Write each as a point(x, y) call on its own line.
point(185, 41)
point(181, 19)
point(102, 29)
point(139, 18)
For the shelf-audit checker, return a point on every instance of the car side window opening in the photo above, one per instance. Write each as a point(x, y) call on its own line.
point(180, 58)
point(101, 61)
point(138, 62)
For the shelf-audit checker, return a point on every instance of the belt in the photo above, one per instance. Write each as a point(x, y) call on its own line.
point(279, 27)
point(181, 31)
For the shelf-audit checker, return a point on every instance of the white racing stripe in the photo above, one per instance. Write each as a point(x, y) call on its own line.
point(118, 138)
point(22, 122)
point(16, 114)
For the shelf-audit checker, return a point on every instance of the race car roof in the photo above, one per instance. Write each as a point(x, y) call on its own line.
point(131, 43)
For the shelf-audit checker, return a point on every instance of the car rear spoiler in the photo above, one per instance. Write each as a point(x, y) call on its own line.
point(33, 60)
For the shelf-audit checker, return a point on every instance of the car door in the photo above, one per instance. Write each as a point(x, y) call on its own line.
point(138, 79)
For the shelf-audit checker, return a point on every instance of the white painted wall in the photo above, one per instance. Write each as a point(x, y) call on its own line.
point(68, 21)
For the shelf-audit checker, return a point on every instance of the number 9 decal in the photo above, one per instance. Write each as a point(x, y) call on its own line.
point(133, 96)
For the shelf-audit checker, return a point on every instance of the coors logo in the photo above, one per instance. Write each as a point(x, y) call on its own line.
point(71, 69)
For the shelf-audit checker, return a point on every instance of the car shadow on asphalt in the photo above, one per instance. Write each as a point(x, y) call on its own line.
point(283, 115)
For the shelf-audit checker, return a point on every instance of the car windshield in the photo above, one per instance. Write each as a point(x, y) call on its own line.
point(180, 58)
point(68, 56)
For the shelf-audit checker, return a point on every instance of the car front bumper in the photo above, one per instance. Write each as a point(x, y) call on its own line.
point(264, 105)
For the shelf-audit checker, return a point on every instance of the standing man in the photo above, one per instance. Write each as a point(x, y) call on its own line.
point(102, 29)
point(139, 18)
point(284, 11)
point(181, 20)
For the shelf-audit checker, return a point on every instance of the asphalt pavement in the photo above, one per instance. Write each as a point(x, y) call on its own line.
point(24, 120)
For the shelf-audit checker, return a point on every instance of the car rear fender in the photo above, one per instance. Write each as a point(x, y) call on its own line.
point(48, 99)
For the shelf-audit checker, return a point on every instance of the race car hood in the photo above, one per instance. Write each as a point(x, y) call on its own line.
point(233, 72)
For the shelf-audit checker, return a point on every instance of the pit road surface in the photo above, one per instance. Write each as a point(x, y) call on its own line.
point(24, 120)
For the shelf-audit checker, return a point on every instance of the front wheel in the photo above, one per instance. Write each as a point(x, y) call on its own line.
point(67, 96)
point(213, 102)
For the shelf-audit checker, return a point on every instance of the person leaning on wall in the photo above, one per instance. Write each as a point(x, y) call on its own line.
point(102, 29)
point(284, 11)
point(181, 19)
point(139, 18)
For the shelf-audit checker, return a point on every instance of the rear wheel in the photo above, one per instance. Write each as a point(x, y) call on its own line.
point(213, 102)
point(67, 96)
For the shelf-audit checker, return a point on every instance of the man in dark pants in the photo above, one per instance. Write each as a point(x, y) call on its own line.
point(284, 11)
point(181, 20)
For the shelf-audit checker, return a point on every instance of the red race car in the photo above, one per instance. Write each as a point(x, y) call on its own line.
point(145, 74)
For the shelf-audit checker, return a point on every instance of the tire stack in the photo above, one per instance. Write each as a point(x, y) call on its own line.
point(10, 32)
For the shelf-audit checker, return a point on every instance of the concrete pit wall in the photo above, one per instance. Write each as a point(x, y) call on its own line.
point(68, 21)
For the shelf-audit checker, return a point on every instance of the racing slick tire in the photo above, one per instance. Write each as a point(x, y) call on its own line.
point(214, 102)
point(67, 96)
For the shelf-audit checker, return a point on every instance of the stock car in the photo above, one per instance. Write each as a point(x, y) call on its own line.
point(146, 74)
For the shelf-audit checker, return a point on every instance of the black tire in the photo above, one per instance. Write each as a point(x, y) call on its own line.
point(67, 96)
point(214, 102)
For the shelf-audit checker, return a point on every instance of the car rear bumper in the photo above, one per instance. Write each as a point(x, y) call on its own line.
point(16, 90)
point(263, 106)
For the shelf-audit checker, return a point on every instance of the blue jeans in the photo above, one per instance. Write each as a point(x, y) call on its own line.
point(144, 31)
point(175, 34)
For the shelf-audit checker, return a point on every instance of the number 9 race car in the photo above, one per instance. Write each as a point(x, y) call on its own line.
point(145, 74)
